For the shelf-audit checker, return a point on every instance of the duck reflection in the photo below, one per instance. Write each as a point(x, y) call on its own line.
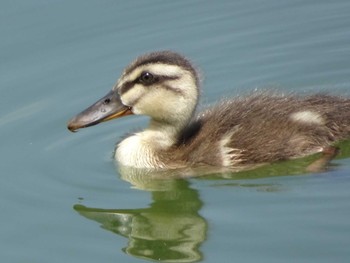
point(170, 229)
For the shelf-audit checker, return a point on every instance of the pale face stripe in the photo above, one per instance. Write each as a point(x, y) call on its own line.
point(163, 72)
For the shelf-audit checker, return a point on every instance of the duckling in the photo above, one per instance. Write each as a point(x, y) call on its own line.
point(259, 128)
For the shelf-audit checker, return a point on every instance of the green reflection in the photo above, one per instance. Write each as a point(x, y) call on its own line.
point(170, 230)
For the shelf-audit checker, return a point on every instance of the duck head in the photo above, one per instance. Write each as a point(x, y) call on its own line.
point(162, 85)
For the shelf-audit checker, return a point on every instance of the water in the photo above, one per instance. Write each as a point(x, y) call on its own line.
point(62, 198)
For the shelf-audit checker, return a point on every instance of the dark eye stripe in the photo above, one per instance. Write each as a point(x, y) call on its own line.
point(160, 79)
point(126, 87)
point(157, 79)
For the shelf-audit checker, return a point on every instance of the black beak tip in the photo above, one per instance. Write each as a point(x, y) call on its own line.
point(72, 130)
point(72, 127)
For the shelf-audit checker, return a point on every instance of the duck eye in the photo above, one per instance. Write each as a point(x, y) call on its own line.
point(147, 78)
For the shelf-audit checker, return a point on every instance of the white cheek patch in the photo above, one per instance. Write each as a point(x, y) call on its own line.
point(308, 117)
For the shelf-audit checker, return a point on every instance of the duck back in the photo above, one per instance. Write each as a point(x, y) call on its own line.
point(264, 128)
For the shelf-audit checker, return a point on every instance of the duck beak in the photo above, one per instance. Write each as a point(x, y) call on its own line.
point(107, 108)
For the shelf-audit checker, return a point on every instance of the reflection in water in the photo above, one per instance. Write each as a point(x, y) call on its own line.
point(170, 230)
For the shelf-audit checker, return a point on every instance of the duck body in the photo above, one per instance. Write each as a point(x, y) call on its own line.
point(266, 128)
point(259, 128)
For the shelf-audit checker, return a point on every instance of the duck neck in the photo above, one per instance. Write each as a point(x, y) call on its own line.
point(162, 135)
point(144, 149)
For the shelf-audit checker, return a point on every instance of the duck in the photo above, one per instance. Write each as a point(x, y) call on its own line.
point(258, 128)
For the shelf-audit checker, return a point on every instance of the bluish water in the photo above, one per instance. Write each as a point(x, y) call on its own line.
point(63, 199)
